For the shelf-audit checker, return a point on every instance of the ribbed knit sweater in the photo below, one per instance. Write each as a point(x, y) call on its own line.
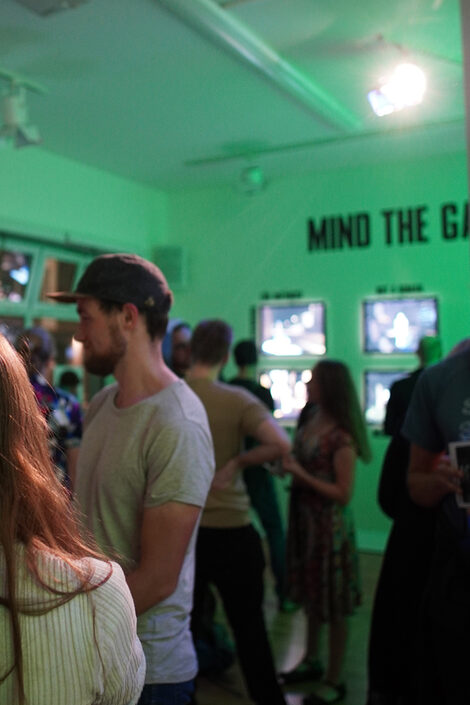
point(84, 652)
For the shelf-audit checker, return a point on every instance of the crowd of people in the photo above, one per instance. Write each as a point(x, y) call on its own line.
point(117, 527)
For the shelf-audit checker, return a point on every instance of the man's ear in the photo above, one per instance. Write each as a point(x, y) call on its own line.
point(130, 315)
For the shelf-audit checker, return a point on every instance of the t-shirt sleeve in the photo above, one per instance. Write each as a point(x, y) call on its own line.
point(253, 412)
point(420, 426)
point(121, 655)
point(180, 464)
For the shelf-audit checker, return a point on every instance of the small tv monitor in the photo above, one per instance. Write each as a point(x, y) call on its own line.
point(288, 391)
point(15, 271)
point(395, 326)
point(377, 385)
point(291, 328)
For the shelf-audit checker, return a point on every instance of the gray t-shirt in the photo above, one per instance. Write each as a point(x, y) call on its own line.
point(156, 451)
point(440, 407)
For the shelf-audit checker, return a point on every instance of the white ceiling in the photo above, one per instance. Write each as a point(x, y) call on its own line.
point(133, 89)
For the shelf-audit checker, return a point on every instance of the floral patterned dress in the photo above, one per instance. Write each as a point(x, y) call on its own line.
point(322, 558)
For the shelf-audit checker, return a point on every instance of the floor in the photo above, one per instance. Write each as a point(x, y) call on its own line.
point(287, 638)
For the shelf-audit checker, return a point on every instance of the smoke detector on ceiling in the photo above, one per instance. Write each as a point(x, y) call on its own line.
point(251, 180)
point(15, 127)
point(47, 7)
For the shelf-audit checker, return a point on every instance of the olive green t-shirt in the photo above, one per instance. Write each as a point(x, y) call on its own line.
point(233, 413)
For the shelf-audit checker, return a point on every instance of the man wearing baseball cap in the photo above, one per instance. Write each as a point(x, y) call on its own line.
point(146, 461)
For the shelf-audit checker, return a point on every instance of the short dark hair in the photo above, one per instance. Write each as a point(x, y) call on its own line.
point(245, 353)
point(156, 320)
point(69, 378)
point(211, 341)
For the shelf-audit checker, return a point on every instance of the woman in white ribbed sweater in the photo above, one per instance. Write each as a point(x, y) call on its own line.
point(67, 622)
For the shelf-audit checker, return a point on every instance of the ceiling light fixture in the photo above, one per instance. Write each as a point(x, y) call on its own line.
point(47, 7)
point(404, 88)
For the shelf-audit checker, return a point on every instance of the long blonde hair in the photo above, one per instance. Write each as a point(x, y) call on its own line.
point(35, 509)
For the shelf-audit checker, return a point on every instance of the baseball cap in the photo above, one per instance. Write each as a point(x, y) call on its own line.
point(121, 278)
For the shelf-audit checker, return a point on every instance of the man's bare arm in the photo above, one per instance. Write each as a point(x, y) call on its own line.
point(430, 476)
point(273, 444)
point(165, 534)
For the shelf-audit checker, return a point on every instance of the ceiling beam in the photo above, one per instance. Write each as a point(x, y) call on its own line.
point(222, 27)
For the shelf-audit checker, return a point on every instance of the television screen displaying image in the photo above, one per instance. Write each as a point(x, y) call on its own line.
point(291, 328)
point(288, 391)
point(397, 325)
point(15, 270)
point(377, 385)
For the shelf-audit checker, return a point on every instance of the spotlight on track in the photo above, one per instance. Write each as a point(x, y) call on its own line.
point(404, 88)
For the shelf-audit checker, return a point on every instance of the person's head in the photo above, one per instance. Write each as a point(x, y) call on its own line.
point(117, 286)
point(37, 349)
point(181, 349)
point(211, 342)
point(332, 390)
point(429, 350)
point(69, 380)
point(34, 507)
point(245, 354)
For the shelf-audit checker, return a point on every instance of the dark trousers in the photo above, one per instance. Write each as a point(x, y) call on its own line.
point(232, 560)
point(260, 485)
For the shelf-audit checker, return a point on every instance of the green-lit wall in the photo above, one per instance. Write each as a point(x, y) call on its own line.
point(240, 246)
point(48, 196)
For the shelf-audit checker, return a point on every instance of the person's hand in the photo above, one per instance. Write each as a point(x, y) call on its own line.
point(446, 476)
point(290, 464)
point(224, 475)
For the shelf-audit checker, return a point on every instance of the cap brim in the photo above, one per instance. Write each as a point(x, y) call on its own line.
point(66, 297)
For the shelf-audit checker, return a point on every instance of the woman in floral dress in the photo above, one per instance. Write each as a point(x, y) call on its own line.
point(321, 551)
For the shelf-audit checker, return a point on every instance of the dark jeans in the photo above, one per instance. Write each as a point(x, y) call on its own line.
point(260, 485)
point(233, 561)
point(167, 693)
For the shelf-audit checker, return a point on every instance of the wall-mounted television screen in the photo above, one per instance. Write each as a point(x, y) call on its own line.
point(288, 391)
point(291, 328)
point(377, 385)
point(15, 271)
point(397, 325)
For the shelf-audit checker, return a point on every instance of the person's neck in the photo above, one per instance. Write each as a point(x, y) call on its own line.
point(201, 371)
point(247, 373)
point(141, 374)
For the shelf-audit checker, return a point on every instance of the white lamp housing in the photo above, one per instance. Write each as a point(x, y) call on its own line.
point(404, 88)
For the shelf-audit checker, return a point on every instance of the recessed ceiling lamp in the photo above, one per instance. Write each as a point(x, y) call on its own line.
point(14, 111)
point(402, 89)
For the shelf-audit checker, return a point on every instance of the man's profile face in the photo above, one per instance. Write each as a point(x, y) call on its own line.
point(103, 343)
point(181, 350)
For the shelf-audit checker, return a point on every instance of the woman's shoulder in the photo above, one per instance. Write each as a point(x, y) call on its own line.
point(339, 438)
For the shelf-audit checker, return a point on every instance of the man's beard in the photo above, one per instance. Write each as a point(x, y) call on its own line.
point(103, 364)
